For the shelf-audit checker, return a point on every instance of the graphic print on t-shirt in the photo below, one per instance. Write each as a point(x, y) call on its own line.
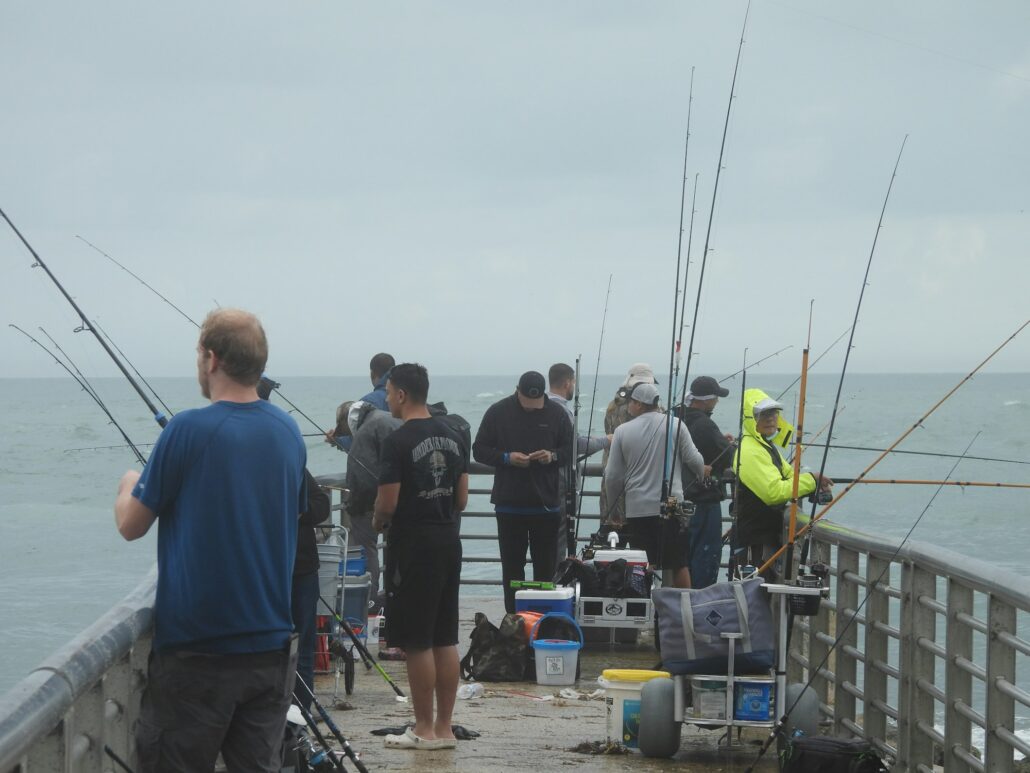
point(430, 467)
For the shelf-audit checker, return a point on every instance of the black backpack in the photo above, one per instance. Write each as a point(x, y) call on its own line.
point(503, 653)
point(822, 754)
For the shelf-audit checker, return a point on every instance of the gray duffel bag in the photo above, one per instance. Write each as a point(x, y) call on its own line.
point(691, 624)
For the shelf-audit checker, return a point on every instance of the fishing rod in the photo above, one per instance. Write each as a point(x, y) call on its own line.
point(675, 352)
point(121, 763)
point(792, 520)
point(366, 656)
point(754, 364)
point(134, 369)
point(571, 524)
point(851, 338)
point(159, 417)
point(734, 501)
point(851, 618)
point(197, 325)
point(815, 362)
point(959, 483)
point(309, 720)
point(920, 453)
point(593, 398)
point(333, 728)
point(715, 192)
point(88, 389)
point(822, 513)
point(105, 448)
point(139, 279)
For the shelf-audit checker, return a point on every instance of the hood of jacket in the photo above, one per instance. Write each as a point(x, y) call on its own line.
point(785, 431)
point(357, 415)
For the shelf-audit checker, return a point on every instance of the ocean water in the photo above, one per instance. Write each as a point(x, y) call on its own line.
point(62, 564)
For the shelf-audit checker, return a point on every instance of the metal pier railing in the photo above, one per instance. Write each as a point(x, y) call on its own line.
point(930, 665)
point(930, 659)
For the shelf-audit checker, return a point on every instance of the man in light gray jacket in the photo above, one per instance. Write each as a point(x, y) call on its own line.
point(636, 467)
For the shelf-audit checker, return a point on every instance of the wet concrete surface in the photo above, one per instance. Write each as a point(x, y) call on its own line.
point(522, 726)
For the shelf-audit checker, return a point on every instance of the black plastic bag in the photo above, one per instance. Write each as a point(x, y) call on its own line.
point(822, 754)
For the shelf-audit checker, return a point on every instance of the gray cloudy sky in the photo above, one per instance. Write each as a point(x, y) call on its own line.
point(454, 182)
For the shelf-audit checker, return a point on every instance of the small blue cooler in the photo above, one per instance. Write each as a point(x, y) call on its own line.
point(356, 563)
point(544, 601)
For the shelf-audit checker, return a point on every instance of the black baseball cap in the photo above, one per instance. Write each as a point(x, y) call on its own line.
point(705, 388)
point(532, 384)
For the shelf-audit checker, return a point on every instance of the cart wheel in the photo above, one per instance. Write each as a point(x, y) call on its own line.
point(348, 673)
point(659, 730)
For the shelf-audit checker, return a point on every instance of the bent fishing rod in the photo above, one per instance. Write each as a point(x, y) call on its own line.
point(851, 340)
point(919, 423)
point(851, 618)
point(88, 389)
point(159, 417)
point(919, 453)
point(593, 399)
point(193, 322)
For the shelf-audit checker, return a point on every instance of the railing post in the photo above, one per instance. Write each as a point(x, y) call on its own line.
point(958, 685)
point(846, 670)
point(1001, 664)
point(914, 705)
point(818, 624)
point(874, 681)
point(118, 686)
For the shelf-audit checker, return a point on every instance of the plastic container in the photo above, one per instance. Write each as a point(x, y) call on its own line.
point(560, 600)
point(622, 688)
point(356, 563)
point(708, 698)
point(328, 572)
point(356, 591)
point(754, 701)
point(632, 557)
point(556, 659)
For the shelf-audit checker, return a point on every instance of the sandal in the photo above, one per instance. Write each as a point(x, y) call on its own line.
point(408, 740)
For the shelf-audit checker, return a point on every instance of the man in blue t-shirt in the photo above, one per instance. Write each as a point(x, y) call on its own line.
point(225, 484)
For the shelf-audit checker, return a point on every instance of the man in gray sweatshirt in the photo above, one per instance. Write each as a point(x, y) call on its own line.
point(636, 467)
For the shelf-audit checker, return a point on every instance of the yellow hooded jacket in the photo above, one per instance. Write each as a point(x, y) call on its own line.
point(766, 479)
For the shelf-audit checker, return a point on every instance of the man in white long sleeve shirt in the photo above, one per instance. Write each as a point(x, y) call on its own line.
point(636, 467)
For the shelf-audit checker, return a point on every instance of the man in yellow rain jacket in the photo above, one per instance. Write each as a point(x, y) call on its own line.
point(765, 481)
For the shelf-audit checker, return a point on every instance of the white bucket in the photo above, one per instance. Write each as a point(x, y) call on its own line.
point(622, 688)
point(556, 659)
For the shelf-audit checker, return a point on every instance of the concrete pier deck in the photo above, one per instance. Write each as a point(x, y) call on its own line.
point(518, 730)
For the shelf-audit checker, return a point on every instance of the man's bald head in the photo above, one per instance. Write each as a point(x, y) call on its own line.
point(238, 341)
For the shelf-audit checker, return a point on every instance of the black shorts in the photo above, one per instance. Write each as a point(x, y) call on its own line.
point(665, 540)
point(421, 583)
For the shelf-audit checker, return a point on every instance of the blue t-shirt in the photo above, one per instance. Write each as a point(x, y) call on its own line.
point(227, 485)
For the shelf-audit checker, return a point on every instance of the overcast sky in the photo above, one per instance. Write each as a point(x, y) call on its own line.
point(454, 182)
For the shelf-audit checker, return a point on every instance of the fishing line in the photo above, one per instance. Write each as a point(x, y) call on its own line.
point(850, 619)
point(134, 370)
point(593, 399)
point(814, 362)
point(159, 417)
point(754, 364)
point(851, 339)
point(921, 453)
point(88, 389)
point(816, 518)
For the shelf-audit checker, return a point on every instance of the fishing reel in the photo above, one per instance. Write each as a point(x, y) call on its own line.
point(311, 754)
point(821, 497)
point(674, 508)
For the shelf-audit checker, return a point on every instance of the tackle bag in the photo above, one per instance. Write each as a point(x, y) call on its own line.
point(503, 653)
point(571, 570)
point(621, 580)
point(690, 624)
point(822, 754)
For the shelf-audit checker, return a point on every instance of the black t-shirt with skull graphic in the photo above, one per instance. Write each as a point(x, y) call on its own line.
point(427, 458)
